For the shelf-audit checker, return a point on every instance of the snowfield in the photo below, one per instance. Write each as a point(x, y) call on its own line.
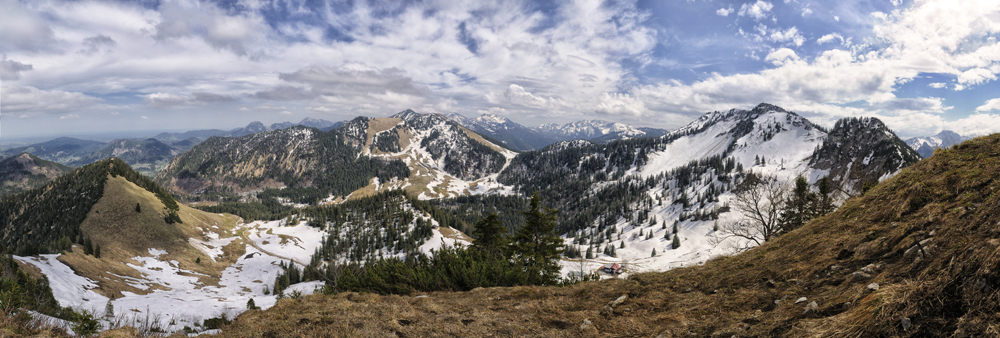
point(188, 302)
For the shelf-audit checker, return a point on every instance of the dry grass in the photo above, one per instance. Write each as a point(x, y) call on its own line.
point(124, 234)
point(378, 125)
point(952, 199)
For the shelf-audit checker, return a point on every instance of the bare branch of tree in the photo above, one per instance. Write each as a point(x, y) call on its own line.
point(758, 200)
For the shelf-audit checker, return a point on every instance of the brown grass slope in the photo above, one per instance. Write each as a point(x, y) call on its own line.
point(124, 234)
point(945, 287)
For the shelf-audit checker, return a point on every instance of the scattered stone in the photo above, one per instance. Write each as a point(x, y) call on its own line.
point(797, 282)
point(912, 251)
point(742, 327)
point(687, 290)
point(872, 287)
point(933, 232)
point(801, 300)
point(619, 300)
point(870, 268)
point(777, 301)
point(858, 276)
point(980, 284)
point(924, 242)
point(906, 323)
point(421, 296)
point(834, 267)
point(812, 307)
point(609, 308)
point(587, 325)
point(770, 283)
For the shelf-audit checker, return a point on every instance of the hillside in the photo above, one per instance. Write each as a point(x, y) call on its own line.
point(500, 128)
point(25, 171)
point(296, 157)
point(926, 237)
point(62, 150)
point(425, 154)
point(146, 156)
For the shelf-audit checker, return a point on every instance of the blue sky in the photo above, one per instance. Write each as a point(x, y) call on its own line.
point(78, 67)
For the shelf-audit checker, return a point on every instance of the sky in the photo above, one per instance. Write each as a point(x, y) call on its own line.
point(80, 66)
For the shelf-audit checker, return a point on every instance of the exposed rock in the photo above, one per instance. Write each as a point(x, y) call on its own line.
point(587, 325)
point(609, 308)
point(872, 287)
point(858, 276)
point(912, 251)
point(801, 300)
point(906, 323)
point(812, 307)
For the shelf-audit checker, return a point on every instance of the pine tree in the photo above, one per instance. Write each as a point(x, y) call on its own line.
point(491, 235)
point(590, 252)
point(675, 227)
point(798, 206)
point(536, 242)
point(622, 245)
point(824, 200)
point(676, 242)
point(97, 251)
point(137, 208)
point(654, 253)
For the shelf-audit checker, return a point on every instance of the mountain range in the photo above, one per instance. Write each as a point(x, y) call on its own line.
point(397, 186)
point(523, 138)
point(925, 146)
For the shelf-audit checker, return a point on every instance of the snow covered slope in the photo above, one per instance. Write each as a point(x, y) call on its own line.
point(445, 159)
point(623, 200)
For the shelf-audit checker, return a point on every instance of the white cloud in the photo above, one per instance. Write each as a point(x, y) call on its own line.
point(937, 85)
point(757, 10)
point(285, 113)
point(806, 11)
point(990, 105)
point(620, 104)
point(789, 35)
point(69, 116)
point(724, 11)
point(829, 38)
point(781, 56)
point(31, 100)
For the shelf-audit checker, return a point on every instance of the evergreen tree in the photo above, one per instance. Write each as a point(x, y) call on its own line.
point(88, 246)
point(590, 252)
point(675, 227)
point(491, 235)
point(798, 206)
point(137, 208)
point(676, 243)
point(824, 199)
point(654, 253)
point(536, 242)
point(97, 251)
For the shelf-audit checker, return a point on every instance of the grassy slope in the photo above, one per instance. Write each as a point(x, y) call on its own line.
point(952, 198)
point(124, 233)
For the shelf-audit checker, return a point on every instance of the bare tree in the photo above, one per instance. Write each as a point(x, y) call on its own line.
point(759, 202)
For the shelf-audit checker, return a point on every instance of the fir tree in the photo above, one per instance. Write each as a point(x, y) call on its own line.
point(137, 208)
point(537, 243)
point(676, 243)
point(491, 235)
point(97, 251)
point(654, 253)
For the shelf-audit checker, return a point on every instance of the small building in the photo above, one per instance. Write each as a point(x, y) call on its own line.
point(611, 268)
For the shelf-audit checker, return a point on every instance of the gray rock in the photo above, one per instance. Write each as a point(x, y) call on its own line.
point(587, 325)
point(858, 276)
point(812, 307)
point(619, 300)
point(912, 251)
point(872, 287)
point(801, 300)
point(870, 268)
point(906, 324)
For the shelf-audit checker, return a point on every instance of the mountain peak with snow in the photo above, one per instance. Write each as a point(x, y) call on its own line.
point(926, 145)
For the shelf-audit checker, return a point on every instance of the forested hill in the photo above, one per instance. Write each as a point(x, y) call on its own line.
point(26, 171)
point(319, 162)
point(47, 219)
